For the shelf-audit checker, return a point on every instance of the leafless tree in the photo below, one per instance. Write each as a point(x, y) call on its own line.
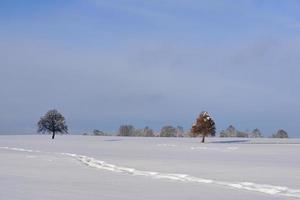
point(148, 132)
point(280, 134)
point(126, 130)
point(52, 122)
point(168, 131)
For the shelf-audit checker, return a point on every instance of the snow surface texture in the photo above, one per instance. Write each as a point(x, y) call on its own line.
point(216, 147)
point(268, 189)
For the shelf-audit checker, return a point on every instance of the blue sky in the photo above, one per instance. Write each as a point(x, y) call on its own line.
point(150, 63)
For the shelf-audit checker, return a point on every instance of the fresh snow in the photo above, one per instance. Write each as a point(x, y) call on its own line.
point(147, 168)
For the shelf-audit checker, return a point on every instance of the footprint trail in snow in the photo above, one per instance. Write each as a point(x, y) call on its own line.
point(92, 162)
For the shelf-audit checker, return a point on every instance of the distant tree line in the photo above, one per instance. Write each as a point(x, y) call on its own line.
point(130, 130)
point(178, 131)
point(99, 133)
point(166, 131)
point(231, 131)
point(54, 122)
point(170, 131)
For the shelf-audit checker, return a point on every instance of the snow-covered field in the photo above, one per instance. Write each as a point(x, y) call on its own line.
point(90, 167)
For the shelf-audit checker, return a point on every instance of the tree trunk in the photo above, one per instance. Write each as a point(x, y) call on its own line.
point(53, 134)
point(203, 138)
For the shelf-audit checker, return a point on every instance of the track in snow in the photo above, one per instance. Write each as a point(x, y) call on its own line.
point(92, 162)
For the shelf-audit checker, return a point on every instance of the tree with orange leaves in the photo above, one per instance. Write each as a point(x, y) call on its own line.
point(204, 126)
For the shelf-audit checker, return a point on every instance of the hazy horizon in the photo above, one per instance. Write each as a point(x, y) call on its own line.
point(150, 63)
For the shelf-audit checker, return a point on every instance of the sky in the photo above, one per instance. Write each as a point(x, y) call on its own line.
point(150, 63)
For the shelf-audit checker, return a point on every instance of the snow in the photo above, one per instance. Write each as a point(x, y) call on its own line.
point(91, 167)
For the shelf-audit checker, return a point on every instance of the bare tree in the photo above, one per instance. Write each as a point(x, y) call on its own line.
point(168, 131)
point(148, 132)
point(179, 131)
point(229, 132)
point(256, 134)
point(126, 130)
point(280, 134)
point(52, 122)
point(204, 126)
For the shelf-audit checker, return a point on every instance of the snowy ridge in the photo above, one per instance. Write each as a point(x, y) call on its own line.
point(92, 162)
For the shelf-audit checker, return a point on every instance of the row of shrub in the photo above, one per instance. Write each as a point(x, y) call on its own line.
point(171, 131)
point(231, 131)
